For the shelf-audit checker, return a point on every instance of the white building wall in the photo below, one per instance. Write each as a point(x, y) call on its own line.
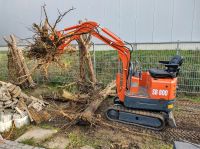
point(132, 20)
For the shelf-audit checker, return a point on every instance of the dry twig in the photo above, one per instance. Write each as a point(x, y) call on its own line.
point(46, 43)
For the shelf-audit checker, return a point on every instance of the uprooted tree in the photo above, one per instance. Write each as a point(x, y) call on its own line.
point(46, 42)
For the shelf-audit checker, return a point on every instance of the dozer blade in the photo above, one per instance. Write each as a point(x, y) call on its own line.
point(146, 119)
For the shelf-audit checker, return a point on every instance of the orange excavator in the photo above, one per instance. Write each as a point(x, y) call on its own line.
point(144, 98)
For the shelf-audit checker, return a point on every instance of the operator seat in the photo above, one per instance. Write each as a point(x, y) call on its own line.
point(172, 68)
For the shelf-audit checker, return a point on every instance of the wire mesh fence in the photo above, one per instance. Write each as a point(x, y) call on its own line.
point(105, 63)
point(149, 55)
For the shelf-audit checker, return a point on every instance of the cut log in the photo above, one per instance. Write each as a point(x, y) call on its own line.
point(69, 116)
point(40, 116)
point(113, 93)
point(87, 116)
point(88, 113)
point(68, 96)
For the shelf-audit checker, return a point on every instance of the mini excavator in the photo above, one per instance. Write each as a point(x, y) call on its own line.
point(144, 98)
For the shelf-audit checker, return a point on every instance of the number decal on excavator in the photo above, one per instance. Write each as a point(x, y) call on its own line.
point(159, 92)
point(154, 92)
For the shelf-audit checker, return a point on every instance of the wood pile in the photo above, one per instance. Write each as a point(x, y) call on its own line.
point(87, 104)
point(13, 100)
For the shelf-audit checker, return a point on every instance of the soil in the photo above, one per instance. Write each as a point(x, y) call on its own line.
point(117, 135)
point(187, 116)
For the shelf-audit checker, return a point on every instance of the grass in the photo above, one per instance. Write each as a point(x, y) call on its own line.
point(188, 80)
point(32, 142)
point(3, 65)
point(151, 144)
point(39, 143)
point(78, 140)
point(16, 132)
point(106, 67)
point(192, 98)
point(47, 126)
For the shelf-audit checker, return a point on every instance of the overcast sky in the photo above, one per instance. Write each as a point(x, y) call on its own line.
point(132, 20)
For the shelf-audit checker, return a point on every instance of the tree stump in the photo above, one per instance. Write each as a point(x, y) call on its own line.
point(18, 72)
point(84, 44)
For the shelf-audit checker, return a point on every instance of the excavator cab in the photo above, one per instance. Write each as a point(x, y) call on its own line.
point(156, 83)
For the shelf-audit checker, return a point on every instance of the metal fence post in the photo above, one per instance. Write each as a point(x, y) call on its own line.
point(94, 59)
point(135, 49)
point(135, 46)
point(177, 47)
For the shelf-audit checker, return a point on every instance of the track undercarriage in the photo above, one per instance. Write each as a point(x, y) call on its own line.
point(146, 119)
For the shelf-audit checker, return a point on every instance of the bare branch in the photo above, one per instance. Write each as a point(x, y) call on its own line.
point(46, 17)
point(60, 17)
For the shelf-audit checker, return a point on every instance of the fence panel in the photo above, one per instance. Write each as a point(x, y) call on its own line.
point(105, 63)
point(148, 54)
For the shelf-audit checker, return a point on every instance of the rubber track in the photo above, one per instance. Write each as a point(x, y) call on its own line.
point(139, 112)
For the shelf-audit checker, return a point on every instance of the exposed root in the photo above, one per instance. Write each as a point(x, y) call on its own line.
point(46, 43)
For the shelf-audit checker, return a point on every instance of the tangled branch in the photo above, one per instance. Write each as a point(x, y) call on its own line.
point(46, 42)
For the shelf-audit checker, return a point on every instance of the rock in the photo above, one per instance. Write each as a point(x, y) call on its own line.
point(58, 142)
point(5, 126)
point(86, 147)
point(12, 98)
point(38, 134)
point(8, 102)
point(20, 121)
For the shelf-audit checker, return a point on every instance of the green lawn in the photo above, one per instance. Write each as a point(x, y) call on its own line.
point(3, 65)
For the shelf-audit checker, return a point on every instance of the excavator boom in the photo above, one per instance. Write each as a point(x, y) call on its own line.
point(74, 32)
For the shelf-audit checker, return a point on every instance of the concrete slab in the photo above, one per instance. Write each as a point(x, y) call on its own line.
point(58, 142)
point(38, 134)
point(86, 147)
point(7, 144)
point(185, 145)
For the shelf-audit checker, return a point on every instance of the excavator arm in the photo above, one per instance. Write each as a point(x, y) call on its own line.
point(74, 32)
point(138, 108)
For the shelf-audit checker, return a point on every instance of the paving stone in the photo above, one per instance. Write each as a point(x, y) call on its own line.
point(2, 145)
point(7, 144)
point(185, 145)
point(27, 147)
point(14, 147)
point(86, 147)
point(11, 143)
point(58, 142)
point(38, 134)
